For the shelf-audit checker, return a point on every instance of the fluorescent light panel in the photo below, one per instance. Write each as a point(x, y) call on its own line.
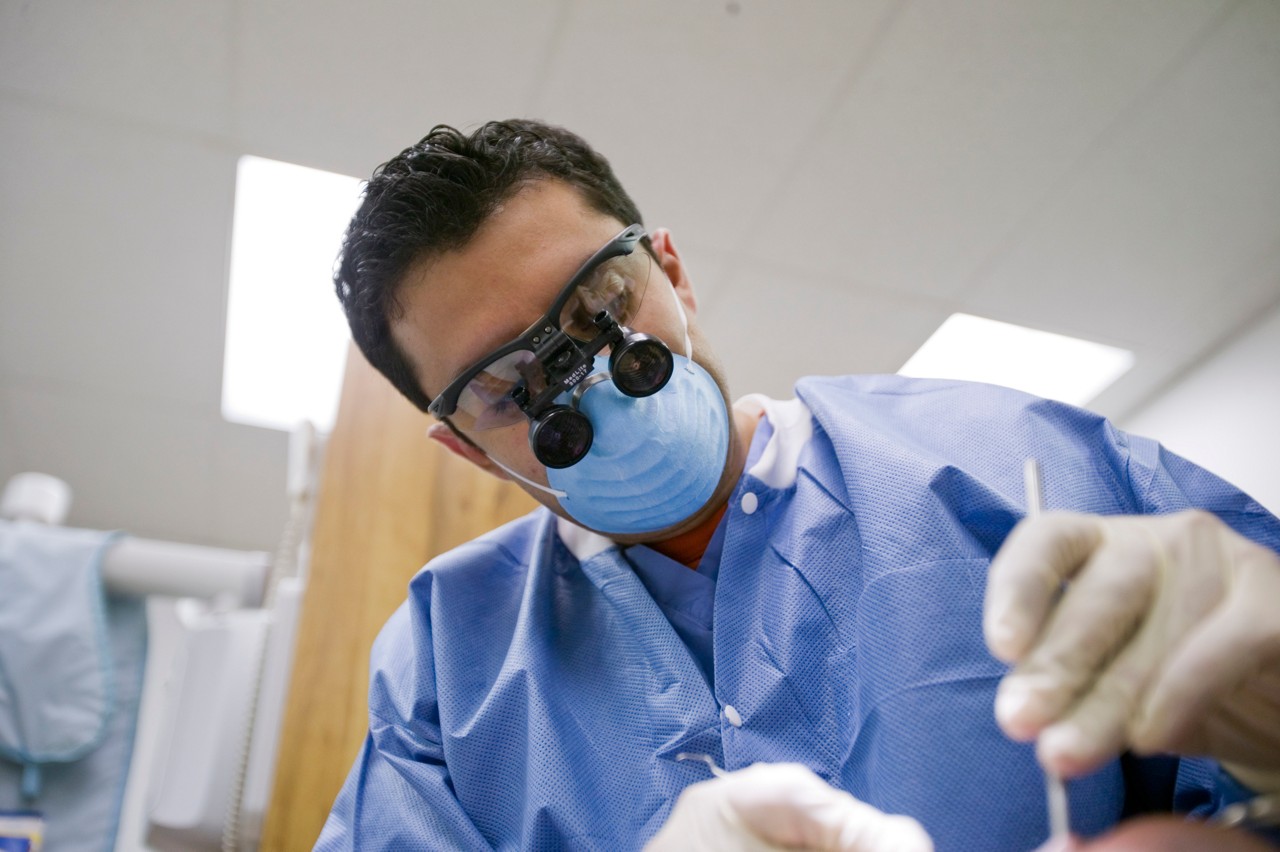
point(286, 335)
point(1039, 362)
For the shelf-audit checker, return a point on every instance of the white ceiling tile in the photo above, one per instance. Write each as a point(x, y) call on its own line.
point(160, 61)
point(345, 86)
point(1171, 214)
point(699, 108)
point(113, 256)
point(968, 116)
point(1155, 365)
point(1223, 412)
point(1216, 314)
point(1180, 344)
point(774, 325)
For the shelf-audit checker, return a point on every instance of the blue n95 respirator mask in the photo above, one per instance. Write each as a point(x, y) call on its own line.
point(641, 463)
point(655, 460)
point(635, 440)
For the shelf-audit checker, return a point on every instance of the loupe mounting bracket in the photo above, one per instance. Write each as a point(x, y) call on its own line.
point(566, 362)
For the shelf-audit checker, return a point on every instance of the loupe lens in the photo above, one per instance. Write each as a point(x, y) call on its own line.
point(561, 436)
point(641, 365)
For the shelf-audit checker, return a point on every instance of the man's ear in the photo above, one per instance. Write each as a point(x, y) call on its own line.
point(460, 446)
point(669, 259)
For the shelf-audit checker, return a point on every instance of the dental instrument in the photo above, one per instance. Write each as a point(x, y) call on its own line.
point(1055, 790)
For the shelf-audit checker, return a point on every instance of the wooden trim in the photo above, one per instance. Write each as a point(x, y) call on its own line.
point(389, 500)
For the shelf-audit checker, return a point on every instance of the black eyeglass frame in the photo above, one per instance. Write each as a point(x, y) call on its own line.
point(546, 332)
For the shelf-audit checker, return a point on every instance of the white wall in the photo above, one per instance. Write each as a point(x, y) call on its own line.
point(1225, 413)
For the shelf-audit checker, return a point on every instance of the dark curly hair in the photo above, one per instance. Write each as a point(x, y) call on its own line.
point(432, 198)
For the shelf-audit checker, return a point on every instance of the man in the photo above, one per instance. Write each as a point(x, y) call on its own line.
point(796, 584)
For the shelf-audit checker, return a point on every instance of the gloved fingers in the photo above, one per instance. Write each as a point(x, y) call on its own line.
point(1027, 574)
point(1235, 642)
point(1243, 730)
point(790, 806)
point(911, 836)
point(1098, 614)
point(838, 822)
point(772, 800)
point(896, 833)
point(1098, 727)
point(835, 821)
point(704, 819)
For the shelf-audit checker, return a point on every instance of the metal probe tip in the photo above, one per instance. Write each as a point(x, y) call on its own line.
point(1055, 790)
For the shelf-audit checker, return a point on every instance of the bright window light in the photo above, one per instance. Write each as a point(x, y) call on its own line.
point(1049, 365)
point(286, 335)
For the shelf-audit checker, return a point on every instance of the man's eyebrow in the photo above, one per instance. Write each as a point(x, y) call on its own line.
point(484, 354)
point(564, 280)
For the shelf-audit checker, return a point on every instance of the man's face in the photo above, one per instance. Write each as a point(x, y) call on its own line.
point(460, 306)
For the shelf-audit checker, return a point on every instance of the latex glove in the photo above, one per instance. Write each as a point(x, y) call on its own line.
point(1167, 638)
point(771, 806)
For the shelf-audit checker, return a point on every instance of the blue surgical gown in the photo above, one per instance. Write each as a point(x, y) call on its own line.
point(525, 697)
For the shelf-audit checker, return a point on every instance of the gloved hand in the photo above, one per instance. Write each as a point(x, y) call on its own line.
point(774, 806)
point(1166, 638)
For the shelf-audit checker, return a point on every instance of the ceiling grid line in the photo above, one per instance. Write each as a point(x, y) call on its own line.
point(116, 119)
point(554, 44)
point(1128, 113)
point(1267, 260)
point(840, 93)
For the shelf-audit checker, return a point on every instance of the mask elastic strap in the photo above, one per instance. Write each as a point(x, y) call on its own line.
point(554, 492)
point(684, 323)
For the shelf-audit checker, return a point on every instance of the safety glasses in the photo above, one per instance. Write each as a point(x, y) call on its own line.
point(605, 293)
